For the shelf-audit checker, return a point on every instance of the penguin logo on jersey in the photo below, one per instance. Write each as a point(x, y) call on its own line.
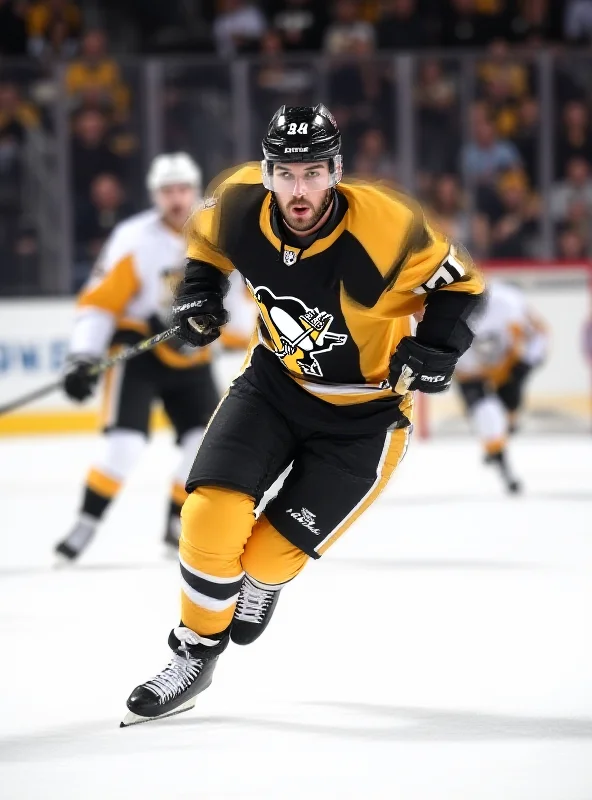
point(298, 333)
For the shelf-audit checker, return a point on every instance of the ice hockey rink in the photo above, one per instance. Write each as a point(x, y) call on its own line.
point(443, 649)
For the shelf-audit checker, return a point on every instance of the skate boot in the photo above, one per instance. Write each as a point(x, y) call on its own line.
point(499, 460)
point(254, 607)
point(77, 540)
point(175, 689)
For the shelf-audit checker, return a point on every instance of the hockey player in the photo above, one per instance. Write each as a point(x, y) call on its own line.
point(509, 342)
point(336, 270)
point(128, 298)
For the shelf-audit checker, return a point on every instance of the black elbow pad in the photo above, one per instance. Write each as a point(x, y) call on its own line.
point(448, 320)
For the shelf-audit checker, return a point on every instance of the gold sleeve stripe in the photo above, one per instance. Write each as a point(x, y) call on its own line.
point(115, 290)
point(375, 210)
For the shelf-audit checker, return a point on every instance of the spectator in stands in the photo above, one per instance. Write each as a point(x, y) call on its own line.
point(571, 244)
point(574, 140)
point(361, 95)
point(504, 82)
point(97, 218)
point(300, 23)
point(447, 208)
point(486, 156)
point(93, 79)
point(526, 137)
point(92, 153)
point(438, 127)
point(278, 81)
point(400, 26)
point(275, 75)
point(576, 188)
point(463, 25)
point(536, 21)
point(515, 227)
point(347, 29)
point(238, 28)
point(13, 29)
point(50, 21)
point(577, 21)
point(16, 115)
point(10, 192)
point(373, 159)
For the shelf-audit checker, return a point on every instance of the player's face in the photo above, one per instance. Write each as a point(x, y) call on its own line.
point(302, 193)
point(175, 202)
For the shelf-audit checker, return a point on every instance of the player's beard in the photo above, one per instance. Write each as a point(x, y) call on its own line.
point(310, 221)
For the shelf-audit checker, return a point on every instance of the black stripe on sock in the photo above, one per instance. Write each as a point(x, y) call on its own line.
point(217, 591)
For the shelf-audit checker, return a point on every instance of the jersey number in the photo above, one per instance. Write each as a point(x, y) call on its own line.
point(449, 271)
point(293, 128)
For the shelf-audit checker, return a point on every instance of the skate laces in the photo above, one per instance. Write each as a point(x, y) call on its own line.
point(253, 602)
point(175, 678)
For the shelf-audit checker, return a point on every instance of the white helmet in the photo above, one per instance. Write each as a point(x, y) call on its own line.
point(170, 168)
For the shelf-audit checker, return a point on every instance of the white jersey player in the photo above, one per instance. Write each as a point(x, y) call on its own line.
point(127, 299)
point(509, 342)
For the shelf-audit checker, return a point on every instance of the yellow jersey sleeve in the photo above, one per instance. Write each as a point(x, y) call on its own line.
point(115, 279)
point(203, 228)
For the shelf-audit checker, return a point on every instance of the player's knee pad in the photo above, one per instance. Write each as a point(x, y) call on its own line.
point(489, 418)
point(189, 444)
point(269, 557)
point(119, 452)
point(215, 525)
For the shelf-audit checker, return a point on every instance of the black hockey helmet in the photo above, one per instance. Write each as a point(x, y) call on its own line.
point(299, 134)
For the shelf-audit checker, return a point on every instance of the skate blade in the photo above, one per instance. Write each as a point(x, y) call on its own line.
point(135, 719)
point(62, 561)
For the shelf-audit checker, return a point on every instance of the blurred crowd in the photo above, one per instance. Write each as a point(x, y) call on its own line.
point(477, 130)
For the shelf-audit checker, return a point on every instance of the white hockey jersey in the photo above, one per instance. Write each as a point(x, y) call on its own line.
point(506, 332)
point(131, 290)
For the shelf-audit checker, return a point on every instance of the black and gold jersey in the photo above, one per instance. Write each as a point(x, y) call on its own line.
point(332, 313)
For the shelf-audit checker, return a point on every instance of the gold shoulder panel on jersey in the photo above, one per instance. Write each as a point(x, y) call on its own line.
point(248, 173)
point(203, 228)
point(389, 225)
point(113, 291)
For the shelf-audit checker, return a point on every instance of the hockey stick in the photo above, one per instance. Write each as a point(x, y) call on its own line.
point(98, 369)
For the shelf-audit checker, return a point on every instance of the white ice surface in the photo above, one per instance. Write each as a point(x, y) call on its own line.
point(443, 649)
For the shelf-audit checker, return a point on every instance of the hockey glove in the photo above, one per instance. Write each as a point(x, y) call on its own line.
point(415, 366)
point(198, 309)
point(78, 382)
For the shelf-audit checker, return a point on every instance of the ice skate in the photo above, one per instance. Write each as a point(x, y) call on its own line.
point(499, 460)
point(254, 608)
point(76, 541)
point(175, 689)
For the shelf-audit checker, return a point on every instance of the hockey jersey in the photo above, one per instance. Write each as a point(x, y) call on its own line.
point(506, 332)
point(330, 314)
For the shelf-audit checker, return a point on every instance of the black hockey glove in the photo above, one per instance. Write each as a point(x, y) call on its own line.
point(198, 309)
point(415, 366)
point(78, 382)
